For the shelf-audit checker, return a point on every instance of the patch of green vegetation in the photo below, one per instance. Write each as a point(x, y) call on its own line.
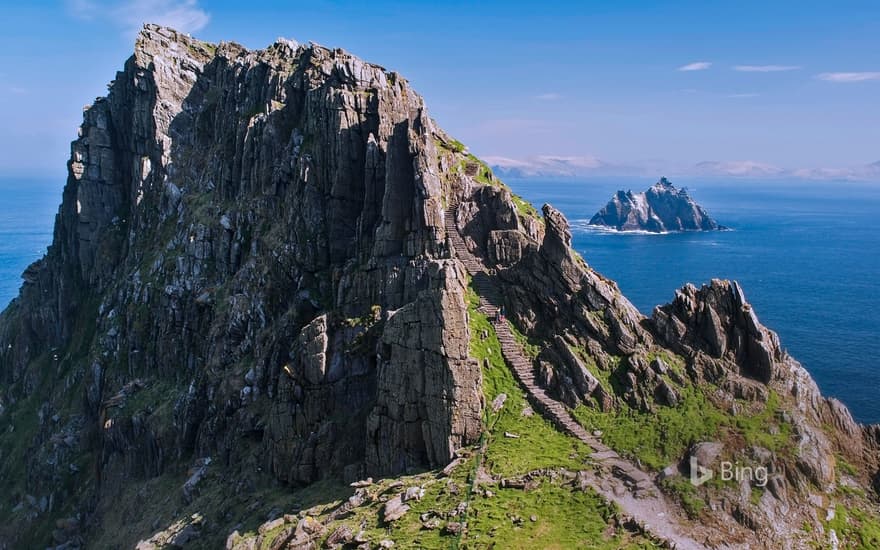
point(365, 320)
point(524, 207)
point(849, 490)
point(688, 495)
point(674, 362)
point(855, 528)
point(154, 399)
point(755, 497)
point(660, 438)
point(442, 495)
point(846, 467)
point(549, 516)
point(197, 47)
point(756, 428)
point(603, 376)
point(478, 170)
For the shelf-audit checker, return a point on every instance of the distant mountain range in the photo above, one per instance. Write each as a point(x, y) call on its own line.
point(551, 166)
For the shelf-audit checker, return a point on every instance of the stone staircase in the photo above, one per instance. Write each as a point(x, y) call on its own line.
point(490, 301)
point(616, 479)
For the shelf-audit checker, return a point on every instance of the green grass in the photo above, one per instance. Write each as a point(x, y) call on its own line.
point(564, 518)
point(755, 428)
point(603, 376)
point(660, 438)
point(846, 467)
point(524, 207)
point(855, 528)
point(482, 173)
point(688, 495)
point(457, 146)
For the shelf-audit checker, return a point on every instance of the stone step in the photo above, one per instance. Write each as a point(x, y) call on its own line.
point(604, 455)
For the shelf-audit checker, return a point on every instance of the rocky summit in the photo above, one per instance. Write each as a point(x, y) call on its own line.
point(283, 309)
point(660, 209)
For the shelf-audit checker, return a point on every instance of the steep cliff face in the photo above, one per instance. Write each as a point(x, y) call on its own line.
point(262, 278)
point(263, 229)
point(660, 209)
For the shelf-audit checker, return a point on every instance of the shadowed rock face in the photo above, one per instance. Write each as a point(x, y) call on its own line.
point(264, 228)
point(251, 263)
point(660, 209)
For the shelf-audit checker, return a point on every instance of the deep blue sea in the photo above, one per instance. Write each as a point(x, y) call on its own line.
point(27, 215)
point(806, 253)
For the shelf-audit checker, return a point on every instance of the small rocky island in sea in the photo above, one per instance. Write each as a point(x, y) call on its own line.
point(660, 209)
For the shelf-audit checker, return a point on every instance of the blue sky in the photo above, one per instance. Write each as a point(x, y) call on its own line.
point(774, 87)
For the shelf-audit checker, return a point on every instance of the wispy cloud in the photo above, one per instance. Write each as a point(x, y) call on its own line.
point(560, 166)
point(696, 66)
point(742, 95)
point(739, 168)
point(130, 15)
point(849, 77)
point(545, 165)
point(765, 68)
point(550, 96)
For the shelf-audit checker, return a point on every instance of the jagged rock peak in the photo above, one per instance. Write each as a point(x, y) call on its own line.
point(662, 208)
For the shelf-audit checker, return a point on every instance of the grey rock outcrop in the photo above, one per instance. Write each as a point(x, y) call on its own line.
point(259, 235)
point(660, 209)
point(718, 320)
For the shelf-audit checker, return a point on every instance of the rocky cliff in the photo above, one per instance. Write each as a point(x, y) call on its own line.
point(660, 209)
point(273, 275)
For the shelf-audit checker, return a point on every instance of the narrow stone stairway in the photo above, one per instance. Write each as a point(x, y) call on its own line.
point(627, 485)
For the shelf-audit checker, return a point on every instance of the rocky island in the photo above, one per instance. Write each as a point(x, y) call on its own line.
point(660, 209)
point(269, 319)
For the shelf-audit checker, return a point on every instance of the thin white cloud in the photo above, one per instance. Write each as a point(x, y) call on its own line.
point(130, 15)
point(742, 95)
point(696, 66)
point(552, 166)
point(765, 68)
point(739, 168)
point(849, 77)
point(550, 96)
point(545, 165)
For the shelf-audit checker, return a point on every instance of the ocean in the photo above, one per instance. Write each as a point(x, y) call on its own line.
point(806, 253)
point(27, 216)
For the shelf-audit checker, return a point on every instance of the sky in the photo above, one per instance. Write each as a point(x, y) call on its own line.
point(740, 88)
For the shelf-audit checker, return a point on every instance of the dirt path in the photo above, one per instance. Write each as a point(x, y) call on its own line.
point(618, 480)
